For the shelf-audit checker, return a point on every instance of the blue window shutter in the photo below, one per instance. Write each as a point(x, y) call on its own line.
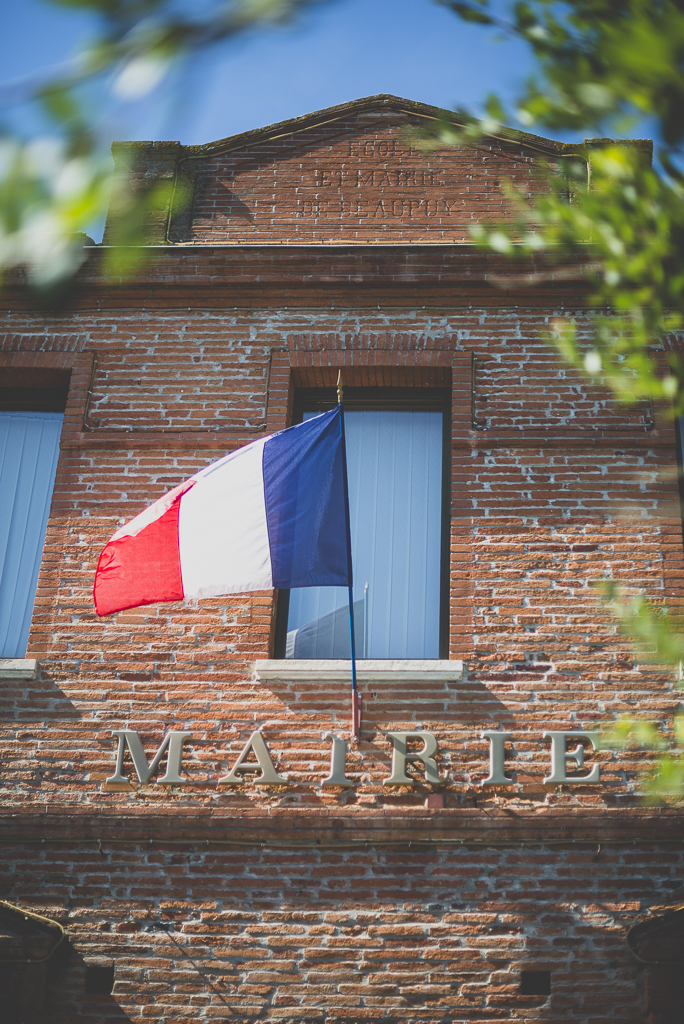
point(394, 462)
point(29, 448)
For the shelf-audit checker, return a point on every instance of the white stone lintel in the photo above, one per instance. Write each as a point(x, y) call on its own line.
point(18, 668)
point(295, 670)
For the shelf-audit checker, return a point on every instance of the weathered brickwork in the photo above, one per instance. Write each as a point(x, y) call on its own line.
point(347, 935)
point(356, 173)
point(356, 180)
point(303, 901)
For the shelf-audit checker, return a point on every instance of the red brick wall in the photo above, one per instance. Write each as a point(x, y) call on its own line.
point(359, 179)
point(371, 934)
point(544, 502)
point(542, 505)
point(299, 902)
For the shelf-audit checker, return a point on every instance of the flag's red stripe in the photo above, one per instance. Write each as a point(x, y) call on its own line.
point(142, 569)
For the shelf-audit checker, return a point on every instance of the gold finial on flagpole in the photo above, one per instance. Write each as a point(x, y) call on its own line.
point(340, 388)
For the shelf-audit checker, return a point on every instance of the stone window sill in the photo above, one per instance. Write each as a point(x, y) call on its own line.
point(18, 668)
point(292, 670)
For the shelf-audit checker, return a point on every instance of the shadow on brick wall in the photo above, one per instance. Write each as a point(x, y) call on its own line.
point(388, 703)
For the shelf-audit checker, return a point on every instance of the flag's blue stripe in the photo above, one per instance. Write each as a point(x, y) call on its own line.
point(305, 504)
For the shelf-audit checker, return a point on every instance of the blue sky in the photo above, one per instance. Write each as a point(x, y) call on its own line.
point(337, 51)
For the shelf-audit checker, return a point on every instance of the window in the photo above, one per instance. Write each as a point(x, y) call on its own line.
point(397, 465)
point(31, 414)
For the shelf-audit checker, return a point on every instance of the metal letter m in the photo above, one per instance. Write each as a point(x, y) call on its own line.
point(173, 740)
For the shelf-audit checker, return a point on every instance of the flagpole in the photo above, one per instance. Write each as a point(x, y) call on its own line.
point(355, 695)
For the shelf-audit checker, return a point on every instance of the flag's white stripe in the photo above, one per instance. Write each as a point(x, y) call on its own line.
point(223, 534)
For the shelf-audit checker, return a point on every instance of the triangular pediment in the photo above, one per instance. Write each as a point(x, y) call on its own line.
point(384, 106)
point(349, 174)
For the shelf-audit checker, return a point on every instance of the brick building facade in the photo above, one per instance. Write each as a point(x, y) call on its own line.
point(282, 256)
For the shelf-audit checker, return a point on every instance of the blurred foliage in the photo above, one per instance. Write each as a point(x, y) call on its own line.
point(658, 634)
point(52, 188)
point(606, 67)
point(665, 781)
point(658, 637)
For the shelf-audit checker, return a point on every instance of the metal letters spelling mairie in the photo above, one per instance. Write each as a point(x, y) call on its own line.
point(404, 753)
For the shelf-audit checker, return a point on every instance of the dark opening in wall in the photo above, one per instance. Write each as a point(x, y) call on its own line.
point(99, 980)
point(24, 389)
point(535, 983)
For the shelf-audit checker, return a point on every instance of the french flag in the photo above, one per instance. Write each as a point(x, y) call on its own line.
point(272, 514)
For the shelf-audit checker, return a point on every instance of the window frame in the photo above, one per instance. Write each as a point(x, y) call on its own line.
point(36, 390)
point(679, 455)
point(391, 399)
